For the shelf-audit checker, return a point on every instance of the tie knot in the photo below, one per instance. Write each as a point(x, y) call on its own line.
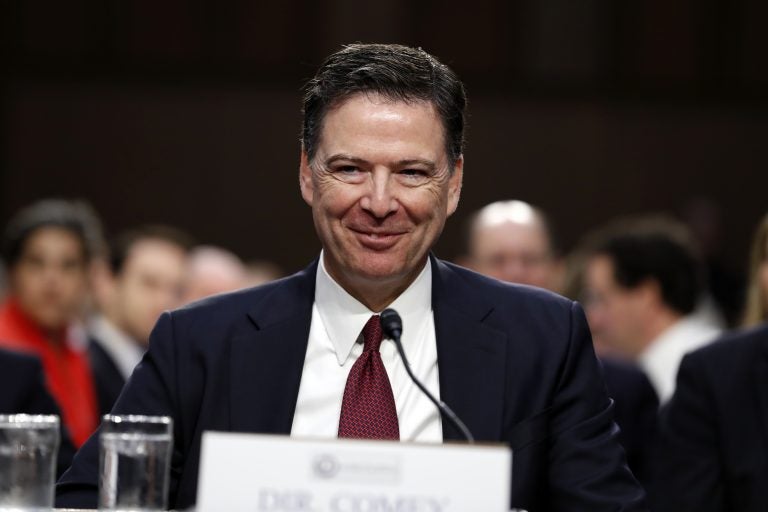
point(372, 334)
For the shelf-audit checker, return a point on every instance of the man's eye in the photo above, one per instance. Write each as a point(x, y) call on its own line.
point(414, 173)
point(348, 173)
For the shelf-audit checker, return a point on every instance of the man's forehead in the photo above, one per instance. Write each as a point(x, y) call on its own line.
point(381, 99)
point(362, 118)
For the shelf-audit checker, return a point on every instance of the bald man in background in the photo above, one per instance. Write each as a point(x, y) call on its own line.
point(212, 270)
point(513, 241)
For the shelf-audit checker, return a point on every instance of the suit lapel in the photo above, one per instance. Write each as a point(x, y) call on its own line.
point(267, 359)
point(471, 356)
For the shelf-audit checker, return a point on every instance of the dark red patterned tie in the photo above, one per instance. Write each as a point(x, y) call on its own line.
point(368, 408)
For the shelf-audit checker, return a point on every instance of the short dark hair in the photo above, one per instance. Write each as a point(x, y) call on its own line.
point(76, 216)
point(394, 71)
point(121, 245)
point(658, 248)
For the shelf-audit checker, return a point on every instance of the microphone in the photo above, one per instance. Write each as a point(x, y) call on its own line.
point(392, 326)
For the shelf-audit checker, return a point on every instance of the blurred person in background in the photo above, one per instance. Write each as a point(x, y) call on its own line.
point(712, 439)
point(756, 307)
point(514, 242)
point(47, 248)
point(212, 270)
point(23, 391)
point(144, 277)
point(642, 284)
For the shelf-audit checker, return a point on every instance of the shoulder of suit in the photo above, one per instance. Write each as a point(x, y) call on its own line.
point(505, 294)
point(19, 370)
point(733, 347)
point(18, 361)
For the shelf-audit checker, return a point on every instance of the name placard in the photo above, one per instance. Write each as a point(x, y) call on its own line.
point(257, 473)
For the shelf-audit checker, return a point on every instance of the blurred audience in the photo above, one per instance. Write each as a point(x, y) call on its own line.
point(212, 270)
point(143, 277)
point(643, 282)
point(47, 248)
point(513, 241)
point(713, 440)
point(712, 435)
point(756, 308)
point(24, 392)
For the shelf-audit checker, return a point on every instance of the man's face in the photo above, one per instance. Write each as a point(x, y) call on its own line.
point(615, 314)
point(516, 252)
point(150, 282)
point(49, 280)
point(380, 188)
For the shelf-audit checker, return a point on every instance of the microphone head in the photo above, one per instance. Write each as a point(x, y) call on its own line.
point(391, 324)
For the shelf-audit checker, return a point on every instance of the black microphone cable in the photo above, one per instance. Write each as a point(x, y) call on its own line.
point(392, 326)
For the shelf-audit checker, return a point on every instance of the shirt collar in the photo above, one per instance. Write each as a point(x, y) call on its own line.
point(661, 358)
point(124, 350)
point(344, 316)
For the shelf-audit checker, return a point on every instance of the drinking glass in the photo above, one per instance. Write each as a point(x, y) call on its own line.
point(29, 445)
point(135, 462)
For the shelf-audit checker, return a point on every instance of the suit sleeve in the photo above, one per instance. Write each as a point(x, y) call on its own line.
point(687, 475)
point(588, 469)
point(151, 390)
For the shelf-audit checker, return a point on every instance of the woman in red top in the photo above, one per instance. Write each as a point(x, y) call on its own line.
point(47, 248)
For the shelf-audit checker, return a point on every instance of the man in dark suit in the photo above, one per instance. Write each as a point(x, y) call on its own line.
point(713, 435)
point(381, 167)
point(23, 391)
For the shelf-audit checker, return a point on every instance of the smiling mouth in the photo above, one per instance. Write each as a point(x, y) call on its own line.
point(377, 241)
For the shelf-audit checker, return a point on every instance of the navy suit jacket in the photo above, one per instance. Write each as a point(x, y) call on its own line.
point(516, 364)
point(22, 390)
point(713, 433)
point(636, 411)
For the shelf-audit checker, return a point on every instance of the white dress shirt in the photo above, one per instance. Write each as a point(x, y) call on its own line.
point(124, 351)
point(662, 358)
point(337, 322)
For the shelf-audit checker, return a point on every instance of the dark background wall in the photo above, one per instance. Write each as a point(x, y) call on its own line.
point(187, 112)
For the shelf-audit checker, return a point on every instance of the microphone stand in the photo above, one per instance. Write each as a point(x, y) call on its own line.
point(392, 326)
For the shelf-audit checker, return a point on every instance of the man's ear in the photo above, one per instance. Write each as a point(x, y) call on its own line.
point(649, 293)
point(454, 185)
point(305, 178)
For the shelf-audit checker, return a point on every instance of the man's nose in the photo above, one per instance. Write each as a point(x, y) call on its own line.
point(379, 198)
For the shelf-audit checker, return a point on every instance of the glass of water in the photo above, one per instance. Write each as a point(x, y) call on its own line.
point(28, 448)
point(135, 462)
